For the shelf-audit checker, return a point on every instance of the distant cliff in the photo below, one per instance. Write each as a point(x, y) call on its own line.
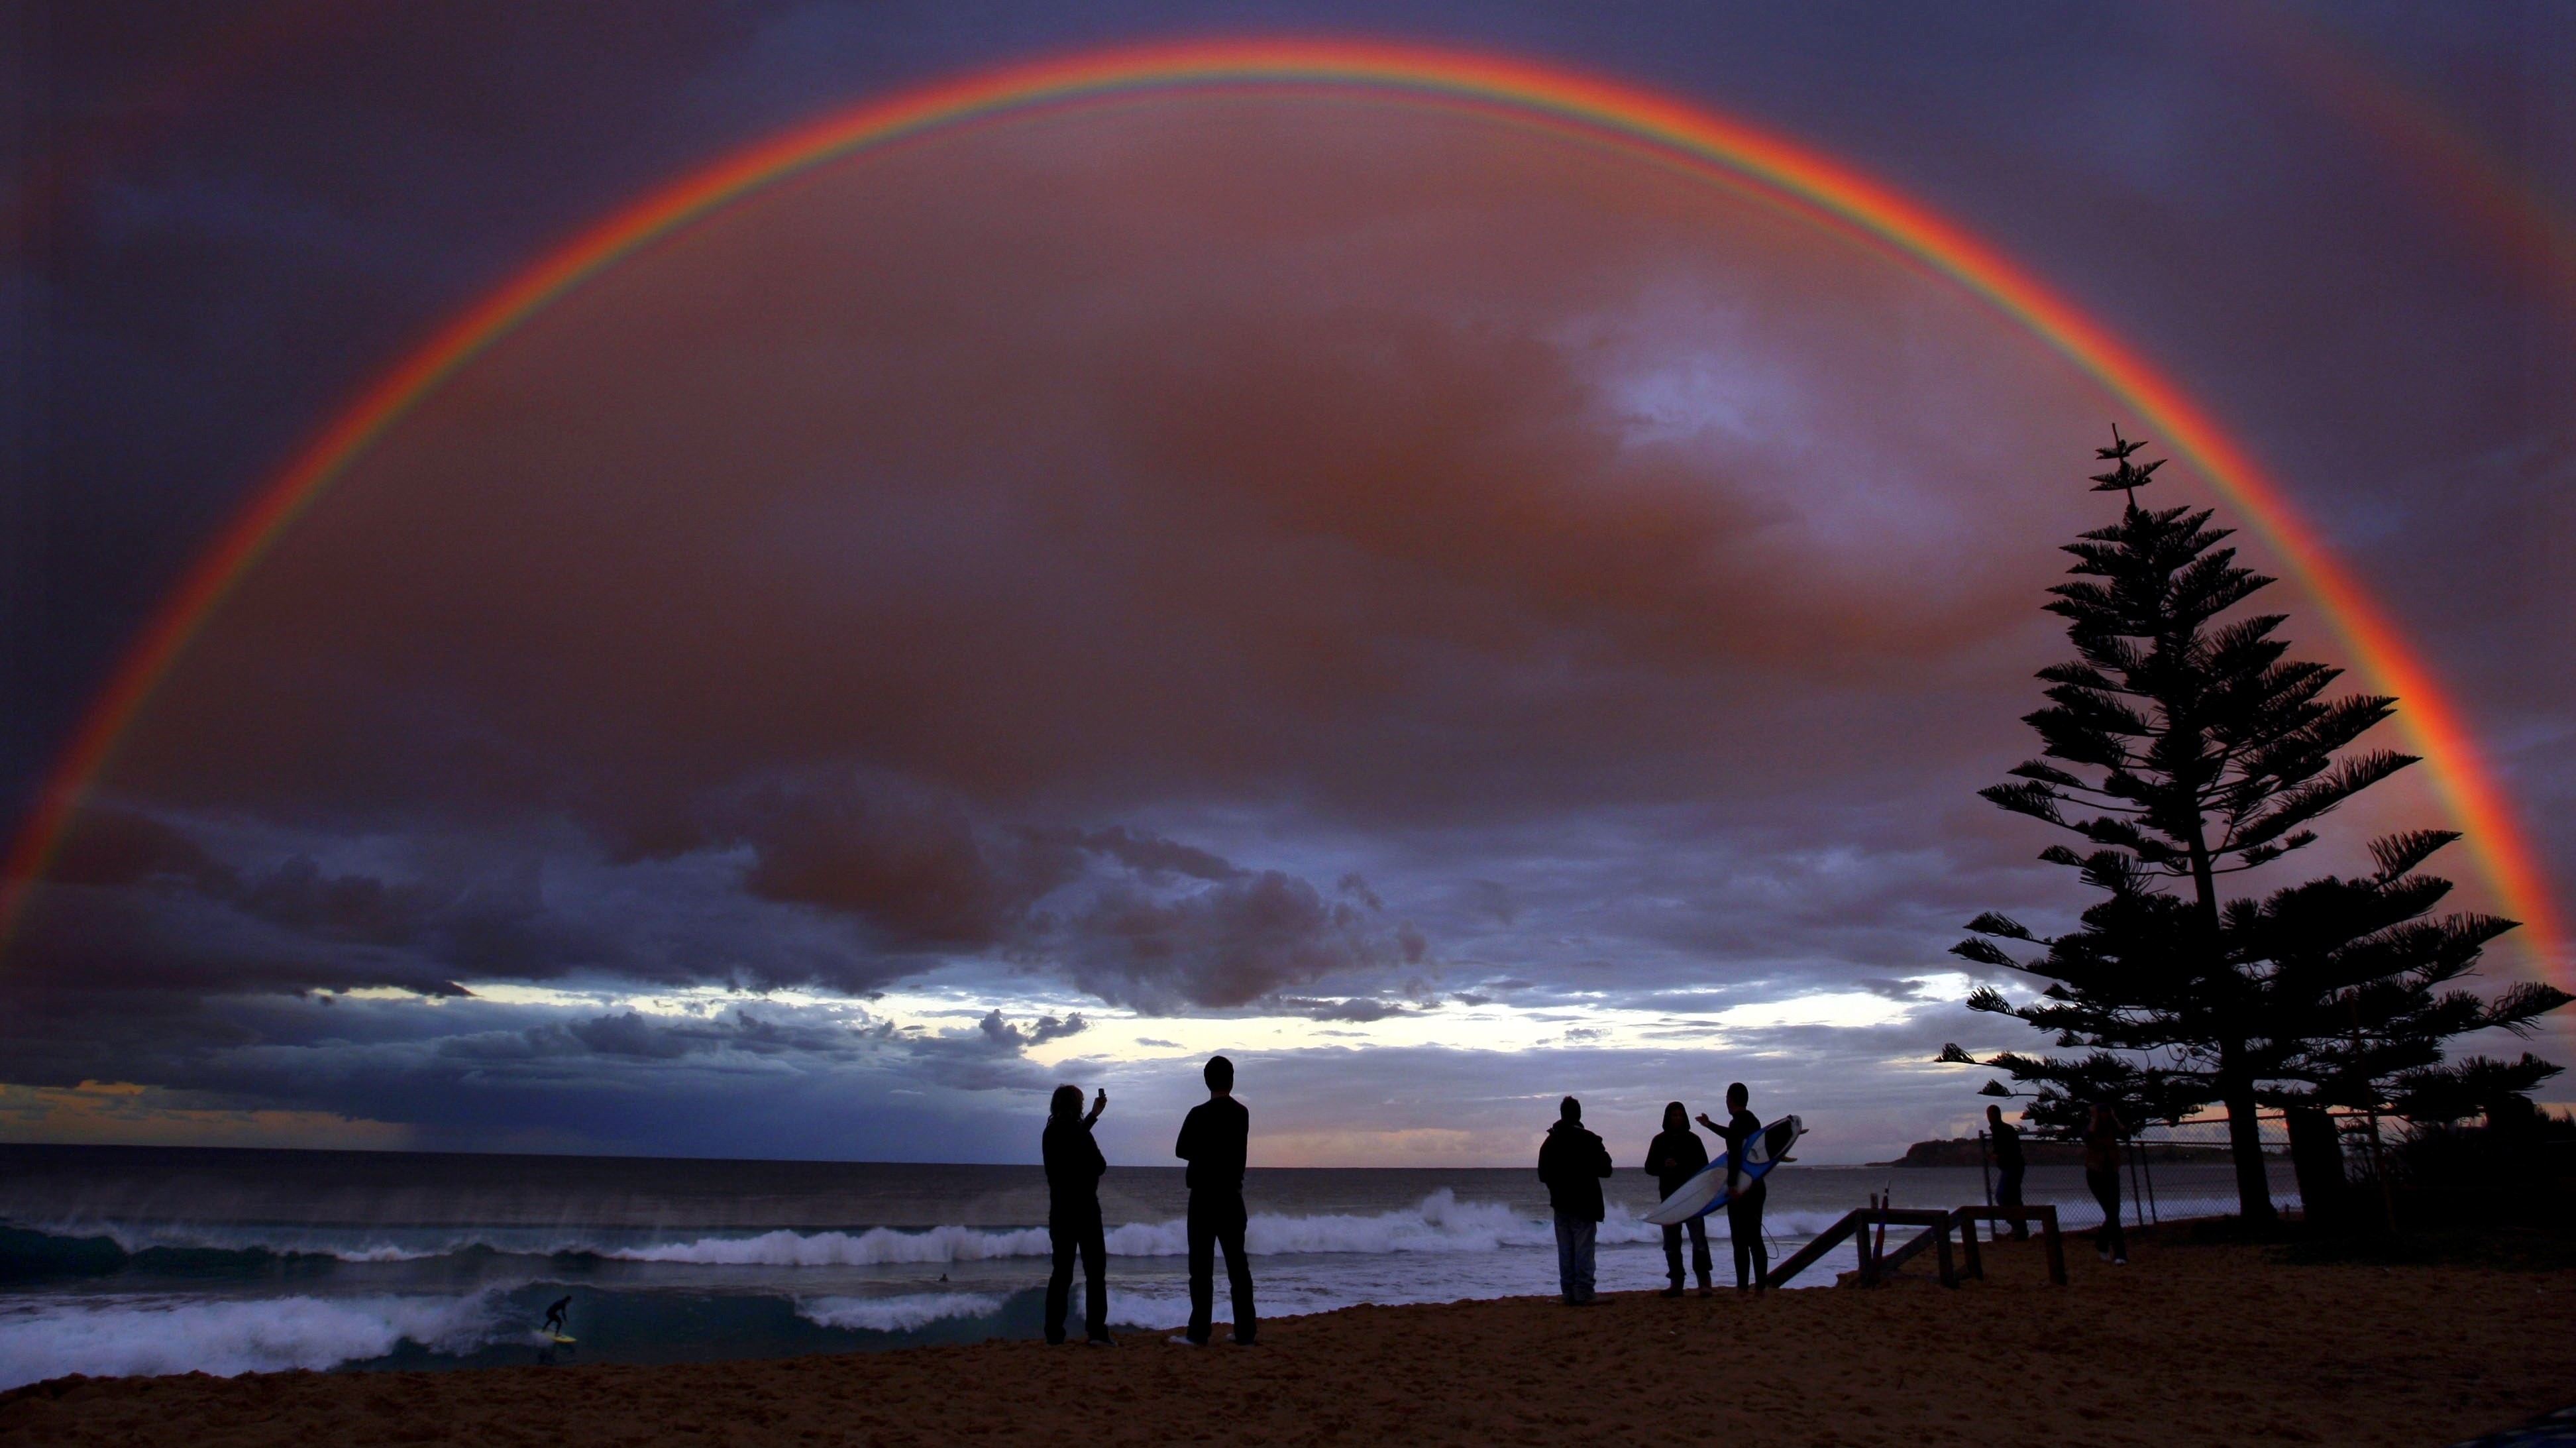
point(1962, 1151)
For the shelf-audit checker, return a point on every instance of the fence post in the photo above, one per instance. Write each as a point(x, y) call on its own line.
point(1985, 1166)
point(2137, 1203)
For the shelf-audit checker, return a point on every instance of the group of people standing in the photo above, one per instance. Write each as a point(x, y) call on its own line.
point(1214, 1139)
point(1573, 1161)
point(2103, 1130)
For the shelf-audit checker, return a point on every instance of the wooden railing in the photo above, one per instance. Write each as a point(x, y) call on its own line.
point(1875, 1262)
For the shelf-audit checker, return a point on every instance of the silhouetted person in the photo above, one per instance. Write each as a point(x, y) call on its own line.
point(555, 1315)
point(1073, 1168)
point(1572, 1161)
point(1743, 1198)
point(1214, 1137)
point(2008, 1166)
point(2102, 1173)
point(1674, 1159)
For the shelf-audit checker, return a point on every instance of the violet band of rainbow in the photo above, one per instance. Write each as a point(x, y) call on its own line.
point(1661, 129)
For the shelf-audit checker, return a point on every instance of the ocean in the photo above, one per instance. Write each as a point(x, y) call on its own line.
point(117, 1260)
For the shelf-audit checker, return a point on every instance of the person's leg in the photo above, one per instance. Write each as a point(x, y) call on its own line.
point(1062, 1236)
point(1701, 1263)
point(1565, 1257)
point(1673, 1255)
point(2008, 1194)
point(1202, 1270)
point(1238, 1273)
point(2107, 1241)
point(1753, 1218)
point(1743, 1253)
point(1585, 1235)
point(1095, 1279)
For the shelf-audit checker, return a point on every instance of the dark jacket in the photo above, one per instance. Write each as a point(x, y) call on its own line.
point(2007, 1146)
point(1214, 1137)
point(1073, 1165)
point(1572, 1161)
point(1675, 1158)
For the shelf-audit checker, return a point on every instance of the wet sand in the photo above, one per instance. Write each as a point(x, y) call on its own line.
point(2187, 1345)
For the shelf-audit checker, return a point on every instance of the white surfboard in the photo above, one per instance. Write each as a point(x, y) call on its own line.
point(1706, 1192)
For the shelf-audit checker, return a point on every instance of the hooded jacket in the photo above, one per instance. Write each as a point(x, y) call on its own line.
point(1572, 1161)
point(1675, 1158)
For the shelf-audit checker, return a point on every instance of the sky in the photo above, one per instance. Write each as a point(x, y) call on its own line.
point(1444, 614)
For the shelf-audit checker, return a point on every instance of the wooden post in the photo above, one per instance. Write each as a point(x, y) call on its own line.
point(2056, 1246)
point(1968, 1245)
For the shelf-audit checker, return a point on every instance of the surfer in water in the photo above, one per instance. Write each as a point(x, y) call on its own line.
point(1214, 1138)
point(1572, 1162)
point(1073, 1169)
point(1675, 1157)
point(1743, 1201)
point(555, 1316)
point(2008, 1166)
point(2102, 1173)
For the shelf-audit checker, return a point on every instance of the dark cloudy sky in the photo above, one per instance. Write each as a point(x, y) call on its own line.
point(1445, 616)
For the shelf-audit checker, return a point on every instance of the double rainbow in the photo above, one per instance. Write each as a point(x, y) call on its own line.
point(1658, 129)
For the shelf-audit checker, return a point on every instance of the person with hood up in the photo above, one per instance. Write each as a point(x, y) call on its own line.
point(1675, 1157)
point(1572, 1162)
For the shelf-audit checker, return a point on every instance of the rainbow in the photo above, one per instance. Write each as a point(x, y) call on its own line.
point(1658, 129)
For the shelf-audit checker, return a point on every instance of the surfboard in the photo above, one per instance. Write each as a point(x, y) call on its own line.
point(1706, 1192)
point(559, 1337)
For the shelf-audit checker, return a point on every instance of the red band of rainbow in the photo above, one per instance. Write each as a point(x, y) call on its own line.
point(1666, 131)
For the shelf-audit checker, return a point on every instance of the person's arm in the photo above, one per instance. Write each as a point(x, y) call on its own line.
point(1601, 1149)
point(1543, 1148)
point(1185, 1148)
point(1099, 1103)
point(1711, 1125)
point(1655, 1158)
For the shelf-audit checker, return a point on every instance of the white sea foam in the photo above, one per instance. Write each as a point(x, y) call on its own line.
point(1438, 1223)
point(898, 1314)
point(41, 1338)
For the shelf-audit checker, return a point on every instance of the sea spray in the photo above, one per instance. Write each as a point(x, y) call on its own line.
point(159, 1334)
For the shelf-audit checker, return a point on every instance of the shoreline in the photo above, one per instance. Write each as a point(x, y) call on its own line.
point(2187, 1345)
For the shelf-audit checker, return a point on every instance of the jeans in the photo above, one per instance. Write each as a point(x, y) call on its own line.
point(1699, 1250)
point(1744, 1226)
point(1574, 1257)
point(2106, 1190)
point(1071, 1230)
point(1216, 1219)
point(2008, 1194)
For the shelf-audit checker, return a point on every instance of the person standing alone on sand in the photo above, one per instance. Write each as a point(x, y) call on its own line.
point(2008, 1167)
point(2102, 1173)
point(1073, 1169)
point(1572, 1161)
point(1214, 1138)
point(1674, 1159)
point(1743, 1198)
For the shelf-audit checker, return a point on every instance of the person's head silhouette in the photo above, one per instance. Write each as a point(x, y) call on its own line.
point(1220, 1076)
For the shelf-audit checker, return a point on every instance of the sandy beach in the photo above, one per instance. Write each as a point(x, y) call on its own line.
point(2187, 1345)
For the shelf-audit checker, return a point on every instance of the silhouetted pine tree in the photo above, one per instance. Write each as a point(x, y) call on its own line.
point(2188, 748)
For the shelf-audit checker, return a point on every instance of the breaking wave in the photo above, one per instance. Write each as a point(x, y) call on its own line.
point(267, 1334)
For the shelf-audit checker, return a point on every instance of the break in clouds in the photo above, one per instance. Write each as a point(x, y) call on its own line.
point(1356, 584)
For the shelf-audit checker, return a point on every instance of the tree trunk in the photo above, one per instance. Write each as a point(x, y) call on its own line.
point(2245, 1135)
point(2235, 1073)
